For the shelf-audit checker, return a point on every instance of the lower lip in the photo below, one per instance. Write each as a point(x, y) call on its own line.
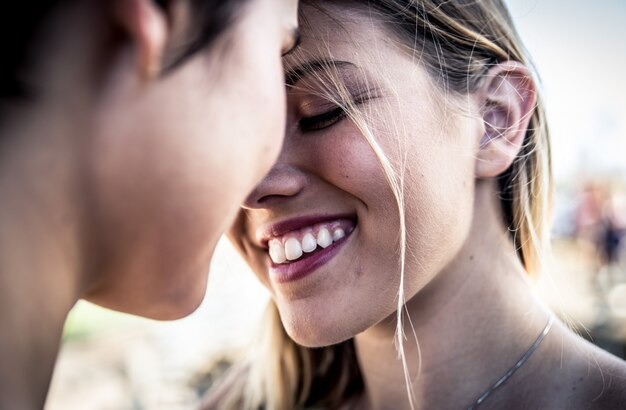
point(289, 272)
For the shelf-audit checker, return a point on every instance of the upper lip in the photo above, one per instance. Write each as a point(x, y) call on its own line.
point(266, 232)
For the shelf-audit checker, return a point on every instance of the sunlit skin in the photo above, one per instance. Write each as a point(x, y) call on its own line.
point(469, 299)
point(117, 180)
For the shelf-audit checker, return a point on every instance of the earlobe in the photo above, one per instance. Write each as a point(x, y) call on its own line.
point(145, 23)
point(508, 98)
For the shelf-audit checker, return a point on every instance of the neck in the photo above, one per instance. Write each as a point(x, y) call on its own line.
point(476, 319)
point(40, 262)
point(38, 286)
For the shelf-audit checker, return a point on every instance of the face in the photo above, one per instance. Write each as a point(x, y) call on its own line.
point(172, 160)
point(321, 231)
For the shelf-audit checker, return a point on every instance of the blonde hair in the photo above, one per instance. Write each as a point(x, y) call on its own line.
point(457, 42)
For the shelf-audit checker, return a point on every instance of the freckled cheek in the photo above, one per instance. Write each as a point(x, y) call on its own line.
point(347, 161)
point(357, 171)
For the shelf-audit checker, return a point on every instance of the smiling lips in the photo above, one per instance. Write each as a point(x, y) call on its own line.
point(292, 246)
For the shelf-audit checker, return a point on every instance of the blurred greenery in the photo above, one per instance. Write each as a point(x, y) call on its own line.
point(86, 320)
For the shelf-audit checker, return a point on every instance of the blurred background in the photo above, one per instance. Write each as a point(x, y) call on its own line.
point(115, 361)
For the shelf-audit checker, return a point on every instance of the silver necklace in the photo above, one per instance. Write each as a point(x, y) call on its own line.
point(517, 365)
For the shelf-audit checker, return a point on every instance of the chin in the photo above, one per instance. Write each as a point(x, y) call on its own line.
point(314, 341)
point(312, 333)
point(175, 309)
point(179, 304)
point(164, 300)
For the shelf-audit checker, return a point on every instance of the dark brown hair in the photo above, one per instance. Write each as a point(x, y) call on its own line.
point(20, 23)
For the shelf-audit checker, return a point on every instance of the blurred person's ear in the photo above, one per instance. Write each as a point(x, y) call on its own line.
point(146, 24)
point(508, 97)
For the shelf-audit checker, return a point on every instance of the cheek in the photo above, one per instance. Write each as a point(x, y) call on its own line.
point(344, 159)
point(156, 196)
point(152, 212)
point(354, 174)
point(159, 167)
point(438, 199)
point(439, 204)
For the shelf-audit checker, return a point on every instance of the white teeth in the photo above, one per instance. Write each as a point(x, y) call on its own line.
point(323, 238)
point(338, 234)
point(309, 244)
point(277, 252)
point(293, 249)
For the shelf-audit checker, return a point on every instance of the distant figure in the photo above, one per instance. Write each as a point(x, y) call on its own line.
point(589, 223)
point(614, 218)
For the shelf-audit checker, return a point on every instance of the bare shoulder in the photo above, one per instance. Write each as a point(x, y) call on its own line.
point(608, 374)
point(591, 378)
point(221, 394)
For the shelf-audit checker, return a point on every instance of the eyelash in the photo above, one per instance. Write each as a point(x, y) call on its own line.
point(329, 118)
point(322, 121)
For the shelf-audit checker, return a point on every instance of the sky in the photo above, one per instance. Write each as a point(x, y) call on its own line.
point(579, 50)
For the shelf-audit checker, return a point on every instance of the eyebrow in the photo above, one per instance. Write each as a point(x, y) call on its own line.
point(296, 74)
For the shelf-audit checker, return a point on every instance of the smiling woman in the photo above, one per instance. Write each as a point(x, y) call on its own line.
point(409, 204)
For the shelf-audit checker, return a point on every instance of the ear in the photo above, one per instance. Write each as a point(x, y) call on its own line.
point(146, 24)
point(508, 97)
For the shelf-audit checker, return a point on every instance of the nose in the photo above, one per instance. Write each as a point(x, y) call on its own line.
point(284, 182)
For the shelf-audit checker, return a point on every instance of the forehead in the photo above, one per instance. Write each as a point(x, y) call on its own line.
point(353, 33)
point(337, 31)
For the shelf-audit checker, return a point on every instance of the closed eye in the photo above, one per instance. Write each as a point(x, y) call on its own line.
point(322, 121)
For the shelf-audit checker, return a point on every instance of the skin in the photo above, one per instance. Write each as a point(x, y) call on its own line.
point(117, 181)
point(470, 303)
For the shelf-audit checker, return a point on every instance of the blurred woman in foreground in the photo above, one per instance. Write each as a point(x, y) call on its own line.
point(130, 131)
